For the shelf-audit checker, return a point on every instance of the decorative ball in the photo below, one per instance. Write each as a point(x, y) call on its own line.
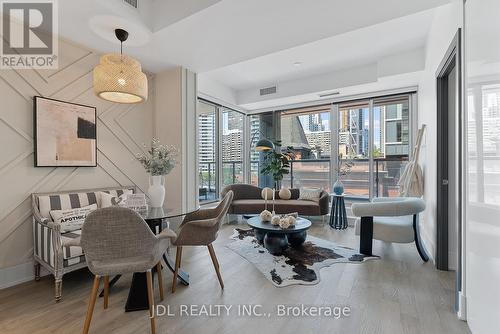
point(275, 220)
point(284, 223)
point(292, 220)
point(269, 193)
point(285, 193)
point(266, 216)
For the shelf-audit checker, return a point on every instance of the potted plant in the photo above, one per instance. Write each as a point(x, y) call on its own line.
point(343, 168)
point(277, 163)
point(158, 161)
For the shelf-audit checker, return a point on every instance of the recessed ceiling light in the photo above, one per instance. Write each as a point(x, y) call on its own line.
point(297, 63)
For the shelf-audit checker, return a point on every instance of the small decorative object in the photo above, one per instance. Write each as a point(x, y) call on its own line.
point(119, 78)
point(65, 134)
point(267, 193)
point(338, 187)
point(136, 202)
point(276, 220)
point(344, 167)
point(285, 193)
point(266, 216)
point(292, 220)
point(284, 223)
point(158, 161)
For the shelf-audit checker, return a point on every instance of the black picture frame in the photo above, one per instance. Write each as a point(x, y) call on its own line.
point(84, 129)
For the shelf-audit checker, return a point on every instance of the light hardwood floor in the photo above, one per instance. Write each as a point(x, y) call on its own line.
point(397, 294)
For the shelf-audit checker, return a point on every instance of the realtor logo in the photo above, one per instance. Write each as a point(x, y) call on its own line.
point(29, 34)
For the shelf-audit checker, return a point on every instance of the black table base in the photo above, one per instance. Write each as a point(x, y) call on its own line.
point(277, 243)
point(338, 215)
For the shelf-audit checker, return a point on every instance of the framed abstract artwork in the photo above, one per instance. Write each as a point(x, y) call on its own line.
point(65, 134)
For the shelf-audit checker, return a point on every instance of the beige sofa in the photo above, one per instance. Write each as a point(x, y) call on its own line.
point(248, 200)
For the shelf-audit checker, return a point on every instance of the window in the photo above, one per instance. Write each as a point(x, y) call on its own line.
point(232, 147)
point(354, 146)
point(220, 149)
point(308, 132)
point(207, 149)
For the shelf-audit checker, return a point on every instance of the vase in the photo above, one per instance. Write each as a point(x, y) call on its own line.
point(338, 187)
point(156, 190)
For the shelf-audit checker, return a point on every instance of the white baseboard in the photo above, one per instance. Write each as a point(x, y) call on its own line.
point(21, 273)
point(462, 307)
point(428, 244)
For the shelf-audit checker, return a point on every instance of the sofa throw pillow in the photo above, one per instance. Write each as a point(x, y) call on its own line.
point(108, 200)
point(309, 194)
point(72, 219)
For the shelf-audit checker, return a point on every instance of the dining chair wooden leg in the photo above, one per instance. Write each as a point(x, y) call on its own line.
point(90, 308)
point(106, 291)
point(160, 280)
point(178, 256)
point(216, 264)
point(149, 278)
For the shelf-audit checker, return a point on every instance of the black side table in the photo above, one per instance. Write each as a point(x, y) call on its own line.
point(338, 215)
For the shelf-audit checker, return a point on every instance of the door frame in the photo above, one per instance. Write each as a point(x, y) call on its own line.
point(451, 60)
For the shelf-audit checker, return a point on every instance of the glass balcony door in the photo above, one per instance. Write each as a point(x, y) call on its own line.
point(207, 152)
point(232, 126)
point(354, 146)
point(391, 143)
point(374, 135)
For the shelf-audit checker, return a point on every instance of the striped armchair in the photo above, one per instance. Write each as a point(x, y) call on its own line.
point(60, 252)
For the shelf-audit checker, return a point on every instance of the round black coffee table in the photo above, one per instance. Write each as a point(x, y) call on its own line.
point(276, 239)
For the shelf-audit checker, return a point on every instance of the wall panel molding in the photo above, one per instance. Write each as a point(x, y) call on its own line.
point(121, 131)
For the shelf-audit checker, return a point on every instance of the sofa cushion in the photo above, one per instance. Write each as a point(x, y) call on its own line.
point(64, 201)
point(391, 229)
point(72, 252)
point(72, 219)
point(255, 206)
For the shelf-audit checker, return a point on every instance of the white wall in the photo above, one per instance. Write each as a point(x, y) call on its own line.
point(215, 91)
point(447, 20)
point(121, 131)
point(174, 119)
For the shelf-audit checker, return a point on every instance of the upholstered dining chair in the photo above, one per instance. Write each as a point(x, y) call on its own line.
point(116, 241)
point(200, 229)
point(392, 219)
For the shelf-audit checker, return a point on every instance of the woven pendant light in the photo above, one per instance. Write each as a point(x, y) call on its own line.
point(119, 78)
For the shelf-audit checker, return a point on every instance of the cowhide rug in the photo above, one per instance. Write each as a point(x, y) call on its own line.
point(295, 266)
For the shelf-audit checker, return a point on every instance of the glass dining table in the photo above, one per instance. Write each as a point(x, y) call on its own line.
point(157, 219)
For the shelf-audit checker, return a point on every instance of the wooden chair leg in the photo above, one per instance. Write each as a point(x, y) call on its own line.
point(90, 308)
point(106, 291)
point(178, 256)
point(149, 278)
point(58, 289)
point(37, 271)
point(160, 280)
point(216, 264)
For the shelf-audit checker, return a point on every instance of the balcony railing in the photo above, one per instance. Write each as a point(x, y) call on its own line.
point(207, 179)
point(316, 173)
point(232, 172)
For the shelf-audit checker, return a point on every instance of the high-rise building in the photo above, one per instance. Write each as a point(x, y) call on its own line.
point(206, 140)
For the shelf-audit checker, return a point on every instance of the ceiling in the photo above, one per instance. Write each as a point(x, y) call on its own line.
point(241, 44)
point(204, 35)
point(346, 50)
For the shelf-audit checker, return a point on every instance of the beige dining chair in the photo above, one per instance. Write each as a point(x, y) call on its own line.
point(118, 241)
point(200, 229)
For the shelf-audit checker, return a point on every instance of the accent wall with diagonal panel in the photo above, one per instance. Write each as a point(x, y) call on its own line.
point(121, 132)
